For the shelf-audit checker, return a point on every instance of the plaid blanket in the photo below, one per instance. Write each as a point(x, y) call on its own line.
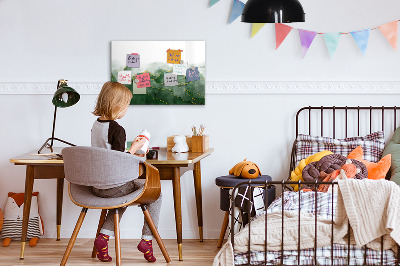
point(306, 201)
point(340, 254)
point(323, 205)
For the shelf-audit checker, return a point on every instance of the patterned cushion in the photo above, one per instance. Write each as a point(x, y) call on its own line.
point(372, 144)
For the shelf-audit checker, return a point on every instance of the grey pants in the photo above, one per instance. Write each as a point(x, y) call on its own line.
point(154, 208)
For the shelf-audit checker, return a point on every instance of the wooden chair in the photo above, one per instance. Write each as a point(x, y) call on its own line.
point(85, 167)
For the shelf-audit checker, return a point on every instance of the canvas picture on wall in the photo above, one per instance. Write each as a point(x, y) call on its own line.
point(160, 72)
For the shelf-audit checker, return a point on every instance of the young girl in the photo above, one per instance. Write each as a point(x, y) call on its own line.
point(112, 104)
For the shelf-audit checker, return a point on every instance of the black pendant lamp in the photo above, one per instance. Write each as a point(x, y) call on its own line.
point(273, 11)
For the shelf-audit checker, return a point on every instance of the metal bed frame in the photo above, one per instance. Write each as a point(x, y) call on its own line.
point(283, 184)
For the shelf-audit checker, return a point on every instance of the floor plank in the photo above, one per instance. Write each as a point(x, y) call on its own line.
point(49, 252)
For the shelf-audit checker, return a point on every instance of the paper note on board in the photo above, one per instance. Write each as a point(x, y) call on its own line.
point(133, 60)
point(125, 77)
point(144, 80)
point(136, 90)
point(192, 74)
point(179, 69)
point(174, 56)
point(170, 79)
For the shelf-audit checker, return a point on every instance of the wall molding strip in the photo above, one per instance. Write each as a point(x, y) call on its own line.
point(232, 87)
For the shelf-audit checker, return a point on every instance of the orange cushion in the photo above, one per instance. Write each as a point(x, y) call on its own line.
point(375, 170)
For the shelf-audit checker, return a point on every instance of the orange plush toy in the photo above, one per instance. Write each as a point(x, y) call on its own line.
point(13, 214)
point(375, 170)
point(245, 169)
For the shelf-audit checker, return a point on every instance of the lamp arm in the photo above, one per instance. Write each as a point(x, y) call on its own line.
point(54, 126)
point(54, 118)
point(46, 143)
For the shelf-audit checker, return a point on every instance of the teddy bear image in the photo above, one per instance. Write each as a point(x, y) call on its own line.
point(13, 215)
point(180, 144)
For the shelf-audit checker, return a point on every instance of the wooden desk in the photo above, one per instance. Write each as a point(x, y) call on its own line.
point(171, 167)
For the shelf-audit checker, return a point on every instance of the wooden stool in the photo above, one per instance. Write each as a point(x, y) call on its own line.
point(226, 183)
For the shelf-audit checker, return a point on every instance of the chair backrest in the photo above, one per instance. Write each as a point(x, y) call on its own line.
point(91, 166)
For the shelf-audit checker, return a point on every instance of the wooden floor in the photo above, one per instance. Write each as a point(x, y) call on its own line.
point(50, 252)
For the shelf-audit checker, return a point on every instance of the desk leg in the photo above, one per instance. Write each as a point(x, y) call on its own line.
point(199, 204)
point(27, 206)
point(60, 190)
point(176, 182)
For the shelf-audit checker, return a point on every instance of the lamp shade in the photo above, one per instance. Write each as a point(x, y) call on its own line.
point(65, 96)
point(273, 11)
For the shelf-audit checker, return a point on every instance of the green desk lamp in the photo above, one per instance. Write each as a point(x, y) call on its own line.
point(65, 96)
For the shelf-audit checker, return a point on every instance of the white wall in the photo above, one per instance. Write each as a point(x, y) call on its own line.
point(47, 40)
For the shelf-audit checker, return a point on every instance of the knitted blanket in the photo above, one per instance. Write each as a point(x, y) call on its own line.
point(371, 207)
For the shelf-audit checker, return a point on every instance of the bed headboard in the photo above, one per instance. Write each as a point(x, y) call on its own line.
point(344, 121)
point(348, 115)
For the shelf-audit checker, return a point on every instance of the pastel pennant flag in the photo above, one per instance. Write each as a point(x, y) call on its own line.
point(389, 30)
point(237, 9)
point(306, 39)
point(332, 41)
point(361, 37)
point(256, 27)
point(213, 2)
point(281, 31)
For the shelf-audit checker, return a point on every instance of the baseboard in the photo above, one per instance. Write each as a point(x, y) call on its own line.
point(232, 87)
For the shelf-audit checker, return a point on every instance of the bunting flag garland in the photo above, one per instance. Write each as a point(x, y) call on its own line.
point(213, 2)
point(332, 41)
point(237, 9)
point(306, 39)
point(389, 30)
point(361, 37)
point(256, 27)
point(281, 31)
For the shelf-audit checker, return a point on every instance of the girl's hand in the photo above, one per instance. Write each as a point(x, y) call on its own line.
point(137, 144)
point(142, 155)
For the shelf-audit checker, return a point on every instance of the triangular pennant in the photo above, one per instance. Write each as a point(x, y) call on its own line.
point(213, 2)
point(281, 31)
point(389, 30)
point(332, 41)
point(237, 9)
point(306, 39)
point(256, 27)
point(361, 37)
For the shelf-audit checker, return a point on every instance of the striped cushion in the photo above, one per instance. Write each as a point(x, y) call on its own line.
point(13, 228)
point(372, 145)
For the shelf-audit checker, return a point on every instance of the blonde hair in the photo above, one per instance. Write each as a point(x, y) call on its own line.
point(112, 99)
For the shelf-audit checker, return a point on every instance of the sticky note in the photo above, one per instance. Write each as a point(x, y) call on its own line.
point(170, 79)
point(174, 56)
point(133, 60)
point(144, 80)
point(192, 74)
point(179, 69)
point(125, 77)
point(136, 90)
